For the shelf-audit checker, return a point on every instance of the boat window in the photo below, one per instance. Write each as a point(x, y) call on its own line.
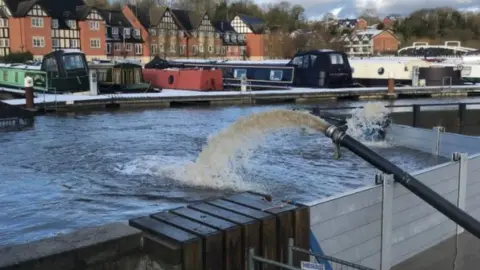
point(276, 75)
point(239, 73)
point(336, 59)
point(298, 61)
point(73, 61)
point(313, 57)
point(306, 59)
point(51, 65)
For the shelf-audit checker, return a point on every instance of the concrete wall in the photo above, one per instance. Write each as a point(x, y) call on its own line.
point(113, 246)
point(358, 225)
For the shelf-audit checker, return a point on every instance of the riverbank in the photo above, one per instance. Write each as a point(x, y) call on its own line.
point(175, 98)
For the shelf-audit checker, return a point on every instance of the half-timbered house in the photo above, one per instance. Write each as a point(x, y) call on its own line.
point(122, 39)
point(4, 30)
point(232, 44)
point(254, 31)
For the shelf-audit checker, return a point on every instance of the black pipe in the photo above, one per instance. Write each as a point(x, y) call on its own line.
point(408, 181)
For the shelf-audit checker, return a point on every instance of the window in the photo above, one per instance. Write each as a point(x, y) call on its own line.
point(200, 48)
point(94, 25)
point(194, 49)
point(109, 48)
point(153, 49)
point(3, 22)
point(162, 48)
point(173, 47)
point(227, 37)
point(74, 43)
point(218, 49)
point(37, 22)
point(38, 42)
point(210, 48)
point(152, 31)
point(126, 31)
point(161, 32)
point(239, 73)
point(210, 34)
point(173, 32)
point(223, 50)
point(336, 59)
point(73, 61)
point(128, 47)
point(137, 32)
point(114, 31)
point(72, 24)
point(195, 34)
point(182, 49)
point(55, 43)
point(51, 65)
point(4, 42)
point(94, 43)
point(138, 49)
point(217, 35)
point(276, 75)
point(55, 23)
point(116, 46)
point(298, 61)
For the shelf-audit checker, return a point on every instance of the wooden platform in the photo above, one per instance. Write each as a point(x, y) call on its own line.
point(442, 256)
point(174, 98)
point(217, 234)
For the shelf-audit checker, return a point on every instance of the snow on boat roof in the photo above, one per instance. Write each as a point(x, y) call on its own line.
point(20, 66)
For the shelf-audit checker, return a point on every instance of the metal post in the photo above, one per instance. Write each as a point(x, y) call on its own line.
point(462, 114)
point(438, 132)
point(251, 263)
point(462, 183)
point(387, 208)
point(415, 115)
point(290, 251)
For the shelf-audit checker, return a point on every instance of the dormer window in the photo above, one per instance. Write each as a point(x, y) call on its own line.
point(115, 31)
point(137, 32)
point(217, 35)
point(126, 31)
point(55, 23)
point(234, 38)
point(227, 37)
point(72, 24)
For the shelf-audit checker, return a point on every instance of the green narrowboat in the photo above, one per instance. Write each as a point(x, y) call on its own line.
point(62, 71)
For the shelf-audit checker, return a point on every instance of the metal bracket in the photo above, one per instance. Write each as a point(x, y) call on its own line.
point(456, 156)
point(381, 178)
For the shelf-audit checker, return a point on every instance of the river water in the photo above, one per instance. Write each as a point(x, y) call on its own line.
point(74, 171)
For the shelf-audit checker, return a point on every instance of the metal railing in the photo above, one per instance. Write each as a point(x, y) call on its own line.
point(323, 262)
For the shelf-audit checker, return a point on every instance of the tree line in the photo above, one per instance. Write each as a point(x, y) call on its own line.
point(435, 25)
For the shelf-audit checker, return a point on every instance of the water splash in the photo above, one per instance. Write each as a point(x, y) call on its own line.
point(222, 160)
point(365, 124)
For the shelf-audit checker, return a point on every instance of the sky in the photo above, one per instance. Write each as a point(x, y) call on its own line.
point(315, 9)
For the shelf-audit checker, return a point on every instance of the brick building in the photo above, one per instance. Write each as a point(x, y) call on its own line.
point(122, 39)
point(369, 42)
point(45, 25)
point(41, 26)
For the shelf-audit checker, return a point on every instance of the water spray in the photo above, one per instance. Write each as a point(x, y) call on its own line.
point(341, 138)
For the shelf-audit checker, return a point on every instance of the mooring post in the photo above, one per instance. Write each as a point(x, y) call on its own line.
point(28, 84)
point(290, 251)
point(415, 115)
point(462, 114)
point(391, 84)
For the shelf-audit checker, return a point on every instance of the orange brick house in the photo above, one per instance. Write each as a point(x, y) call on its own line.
point(44, 25)
point(254, 30)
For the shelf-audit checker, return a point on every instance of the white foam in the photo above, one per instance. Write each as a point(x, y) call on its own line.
point(369, 117)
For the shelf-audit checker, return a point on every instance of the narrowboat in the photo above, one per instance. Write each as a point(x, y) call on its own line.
point(61, 71)
point(315, 69)
point(120, 77)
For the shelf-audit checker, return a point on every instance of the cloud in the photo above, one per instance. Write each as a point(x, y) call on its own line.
point(316, 8)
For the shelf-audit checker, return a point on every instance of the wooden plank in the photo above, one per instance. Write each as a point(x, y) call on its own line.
point(284, 218)
point(212, 238)
point(268, 227)
point(232, 242)
point(170, 245)
point(301, 233)
point(250, 227)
